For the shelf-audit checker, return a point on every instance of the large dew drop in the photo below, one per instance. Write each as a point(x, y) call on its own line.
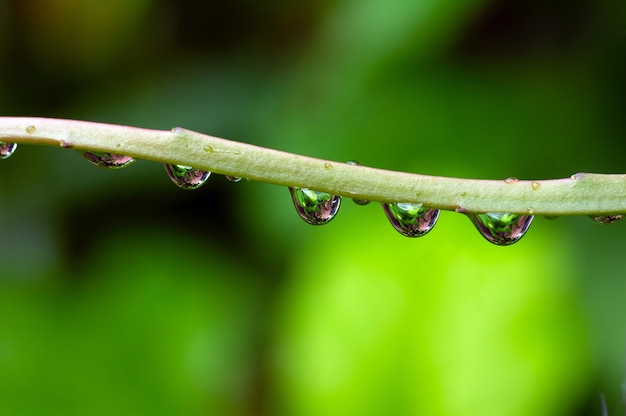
point(501, 229)
point(411, 220)
point(187, 177)
point(315, 207)
point(7, 149)
point(108, 160)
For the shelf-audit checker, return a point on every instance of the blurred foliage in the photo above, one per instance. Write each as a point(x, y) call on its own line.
point(122, 294)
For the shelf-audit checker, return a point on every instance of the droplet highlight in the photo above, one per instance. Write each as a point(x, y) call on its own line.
point(7, 149)
point(606, 219)
point(535, 185)
point(108, 160)
point(501, 229)
point(315, 207)
point(186, 177)
point(411, 220)
point(233, 179)
point(511, 180)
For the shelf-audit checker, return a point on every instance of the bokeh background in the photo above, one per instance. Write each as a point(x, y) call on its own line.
point(122, 294)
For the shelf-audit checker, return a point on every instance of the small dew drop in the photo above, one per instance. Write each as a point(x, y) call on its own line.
point(360, 201)
point(7, 149)
point(108, 160)
point(530, 211)
point(606, 219)
point(535, 185)
point(186, 177)
point(511, 180)
point(551, 217)
point(315, 207)
point(328, 166)
point(463, 194)
point(233, 179)
point(502, 229)
point(411, 220)
point(208, 149)
point(357, 201)
point(31, 129)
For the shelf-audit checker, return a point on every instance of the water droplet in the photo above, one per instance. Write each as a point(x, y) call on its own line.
point(315, 207)
point(7, 149)
point(411, 220)
point(186, 177)
point(358, 201)
point(551, 217)
point(233, 179)
point(31, 129)
point(511, 180)
point(108, 160)
point(328, 166)
point(606, 219)
point(501, 229)
point(535, 185)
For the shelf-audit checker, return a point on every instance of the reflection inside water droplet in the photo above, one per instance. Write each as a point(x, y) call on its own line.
point(606, 219)
point(411, 220)
point(511, 180)
point(7, 149)
point(315, 207)
point(186, 177)
point(501, 229)
point(233, 179)
point(108, 160)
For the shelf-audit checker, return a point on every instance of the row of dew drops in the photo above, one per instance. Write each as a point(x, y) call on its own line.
point(318, 208)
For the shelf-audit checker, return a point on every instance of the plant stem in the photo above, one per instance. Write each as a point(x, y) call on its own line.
point(581, 194)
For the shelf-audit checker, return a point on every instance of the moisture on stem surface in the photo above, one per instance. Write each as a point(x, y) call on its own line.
point(580, 194)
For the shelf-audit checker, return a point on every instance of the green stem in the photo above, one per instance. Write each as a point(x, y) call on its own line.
point(581, 194)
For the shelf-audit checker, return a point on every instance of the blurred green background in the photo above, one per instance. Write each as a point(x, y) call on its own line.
point(122, 294)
